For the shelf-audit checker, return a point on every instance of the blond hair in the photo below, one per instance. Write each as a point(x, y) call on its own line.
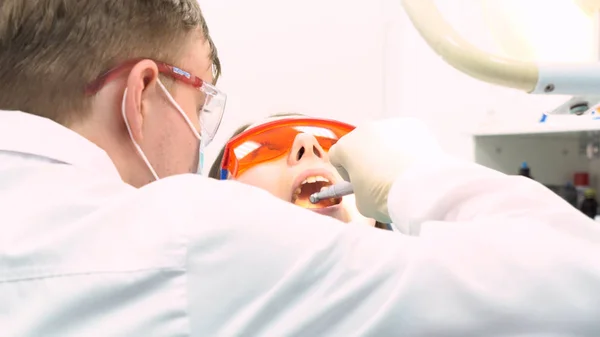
point(51, 49)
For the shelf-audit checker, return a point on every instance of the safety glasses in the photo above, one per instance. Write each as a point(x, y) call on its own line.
point(274, 139)
point(211, 112)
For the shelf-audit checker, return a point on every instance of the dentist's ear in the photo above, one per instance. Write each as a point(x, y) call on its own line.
point(135, 107)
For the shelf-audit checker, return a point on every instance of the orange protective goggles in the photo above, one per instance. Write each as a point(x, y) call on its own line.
point(274, 139)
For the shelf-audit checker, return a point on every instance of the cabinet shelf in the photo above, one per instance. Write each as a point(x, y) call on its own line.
point(554, 149)
point(555, 126)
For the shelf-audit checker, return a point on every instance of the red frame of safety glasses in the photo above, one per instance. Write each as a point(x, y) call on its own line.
point(166, 69)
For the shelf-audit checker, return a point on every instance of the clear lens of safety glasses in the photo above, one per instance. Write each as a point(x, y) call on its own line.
point(212, 112)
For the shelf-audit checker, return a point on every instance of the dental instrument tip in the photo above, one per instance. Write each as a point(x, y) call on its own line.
point(335, 191)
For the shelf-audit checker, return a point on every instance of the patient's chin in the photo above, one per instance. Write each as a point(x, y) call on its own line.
point(338, 212)
point(351, 212)
point(346, 211)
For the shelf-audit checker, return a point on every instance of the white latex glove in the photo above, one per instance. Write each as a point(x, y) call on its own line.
point(373, 156)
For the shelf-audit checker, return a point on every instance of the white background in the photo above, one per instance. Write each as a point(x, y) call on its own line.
point(356, 60)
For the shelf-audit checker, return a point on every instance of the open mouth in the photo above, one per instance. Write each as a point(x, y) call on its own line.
point(309, 186)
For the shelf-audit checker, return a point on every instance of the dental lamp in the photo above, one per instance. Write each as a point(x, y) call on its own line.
point(533, 78)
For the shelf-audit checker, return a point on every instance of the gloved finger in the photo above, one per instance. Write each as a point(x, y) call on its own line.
point(337, 155)
point(337, 159)
point(343, 173)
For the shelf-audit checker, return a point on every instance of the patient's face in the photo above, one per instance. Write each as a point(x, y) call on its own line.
point(306, 162)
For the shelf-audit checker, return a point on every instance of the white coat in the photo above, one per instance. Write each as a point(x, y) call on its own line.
point(84, 254)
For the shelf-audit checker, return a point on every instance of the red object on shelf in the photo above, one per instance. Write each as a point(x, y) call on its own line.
point(581, 179)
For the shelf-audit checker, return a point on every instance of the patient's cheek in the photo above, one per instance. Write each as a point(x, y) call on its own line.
point(256, 176)
point(267, 177)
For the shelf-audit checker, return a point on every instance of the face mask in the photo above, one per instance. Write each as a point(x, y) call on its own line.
point(185, 117)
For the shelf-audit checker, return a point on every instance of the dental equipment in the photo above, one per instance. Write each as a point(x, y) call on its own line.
point(334, 191)
point(551, 79)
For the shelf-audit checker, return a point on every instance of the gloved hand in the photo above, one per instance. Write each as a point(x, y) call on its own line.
point(373, 156)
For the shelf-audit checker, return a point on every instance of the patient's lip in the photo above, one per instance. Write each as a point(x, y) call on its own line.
point(331, 211)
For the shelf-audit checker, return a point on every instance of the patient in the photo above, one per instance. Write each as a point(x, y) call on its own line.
point(287, 155)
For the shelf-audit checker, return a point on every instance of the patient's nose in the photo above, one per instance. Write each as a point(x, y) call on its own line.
point(305, 147)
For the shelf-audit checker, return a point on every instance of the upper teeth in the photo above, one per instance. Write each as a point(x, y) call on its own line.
point(314, 179)
point(308, 180)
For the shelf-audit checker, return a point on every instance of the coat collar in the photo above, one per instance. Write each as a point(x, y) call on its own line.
point(26, 133)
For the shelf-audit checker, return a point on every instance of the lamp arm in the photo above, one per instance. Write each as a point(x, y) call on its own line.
point(566, 79)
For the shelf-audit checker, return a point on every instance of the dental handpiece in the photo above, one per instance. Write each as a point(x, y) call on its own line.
point(334, 191)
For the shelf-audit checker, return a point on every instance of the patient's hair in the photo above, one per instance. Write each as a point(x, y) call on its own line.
point(51, 49)
point(215, 169)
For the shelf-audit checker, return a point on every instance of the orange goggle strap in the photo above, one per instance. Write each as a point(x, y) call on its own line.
point(276, 124)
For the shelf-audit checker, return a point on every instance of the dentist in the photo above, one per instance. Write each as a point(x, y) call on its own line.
point(107, 106)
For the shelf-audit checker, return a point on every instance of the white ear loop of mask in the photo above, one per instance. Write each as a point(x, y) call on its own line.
point(185, 117)
point(190, 124)
point(183, 114)
point(135, 144)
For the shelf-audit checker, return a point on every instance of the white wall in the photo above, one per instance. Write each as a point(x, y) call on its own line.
point(317, 57)
point(355, 60)
point(422, 85)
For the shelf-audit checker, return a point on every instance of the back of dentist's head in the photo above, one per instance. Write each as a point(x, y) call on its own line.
point(52, 51)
